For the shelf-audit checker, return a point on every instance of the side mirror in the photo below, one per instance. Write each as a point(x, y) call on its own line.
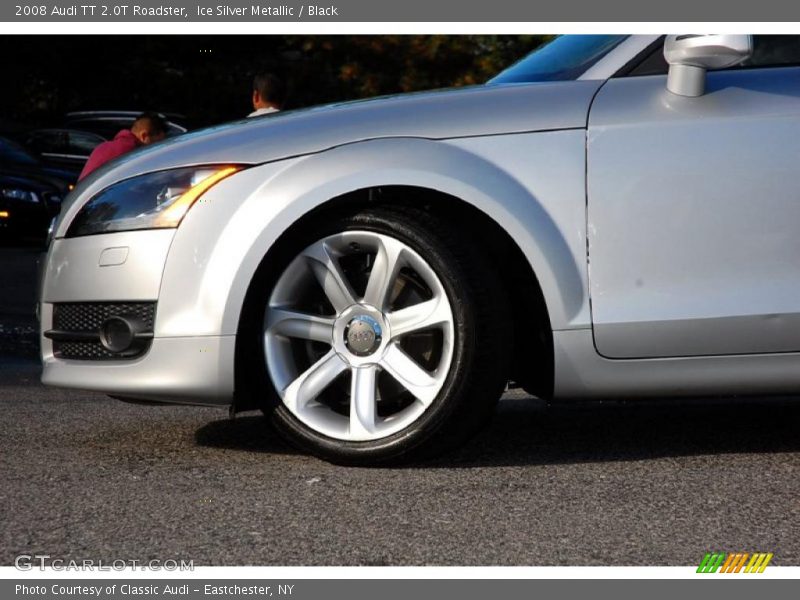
point(690, 56)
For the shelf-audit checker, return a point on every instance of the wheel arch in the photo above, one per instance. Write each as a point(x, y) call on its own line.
point(525, 243)
point(310, 183)
point(533, 343)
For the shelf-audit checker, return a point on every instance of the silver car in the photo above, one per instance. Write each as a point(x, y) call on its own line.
point(613, 216)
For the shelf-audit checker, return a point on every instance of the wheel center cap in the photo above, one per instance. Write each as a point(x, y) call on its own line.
point(363, 335)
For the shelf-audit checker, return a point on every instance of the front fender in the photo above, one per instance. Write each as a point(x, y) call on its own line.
point(221, 242)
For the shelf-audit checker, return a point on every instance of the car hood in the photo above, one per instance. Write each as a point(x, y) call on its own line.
point(461, 112)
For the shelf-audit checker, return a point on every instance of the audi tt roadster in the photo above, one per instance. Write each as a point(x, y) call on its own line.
point(611, 217)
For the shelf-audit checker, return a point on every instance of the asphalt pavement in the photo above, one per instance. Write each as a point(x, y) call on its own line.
point(657, 483)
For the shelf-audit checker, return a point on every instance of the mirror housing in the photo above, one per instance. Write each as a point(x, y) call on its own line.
point(690, 56)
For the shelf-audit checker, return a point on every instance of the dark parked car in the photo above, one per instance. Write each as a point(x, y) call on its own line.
point(107, 123)
point(68, 148)
point(30, 194)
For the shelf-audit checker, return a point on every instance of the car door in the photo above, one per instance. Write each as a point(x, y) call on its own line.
point(49, 144)
point(80, 146)
point(694, 212)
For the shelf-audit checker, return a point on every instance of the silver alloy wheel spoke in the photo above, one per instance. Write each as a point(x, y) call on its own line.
point(410, 375)
point(417, 317)
point(388, 261)
point(325, 266)
point(294, 324)
point(313, 381)
point(363, 405)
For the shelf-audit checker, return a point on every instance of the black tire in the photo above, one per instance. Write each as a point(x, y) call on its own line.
point(482, 340)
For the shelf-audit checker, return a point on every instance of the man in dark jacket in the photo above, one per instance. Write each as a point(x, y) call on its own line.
point(146, 129)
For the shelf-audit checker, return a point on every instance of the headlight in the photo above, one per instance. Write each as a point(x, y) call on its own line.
point(153, 201)
point(20, 195)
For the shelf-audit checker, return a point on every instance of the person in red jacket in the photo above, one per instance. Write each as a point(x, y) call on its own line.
point(146, 129)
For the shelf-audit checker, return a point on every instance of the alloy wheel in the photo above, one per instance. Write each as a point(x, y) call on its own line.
point(358, 336)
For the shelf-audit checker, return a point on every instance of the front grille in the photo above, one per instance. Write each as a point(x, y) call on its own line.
point(88, 316)
point(82, 351)
point(76, 328)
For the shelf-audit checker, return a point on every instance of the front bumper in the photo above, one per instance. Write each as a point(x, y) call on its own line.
point(196, 370)
point(128, 267)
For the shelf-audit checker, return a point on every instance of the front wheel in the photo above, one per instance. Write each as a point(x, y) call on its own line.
point(384, 338)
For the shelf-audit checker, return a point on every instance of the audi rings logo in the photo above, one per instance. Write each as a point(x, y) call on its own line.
point(367, 336)
point(363, 335)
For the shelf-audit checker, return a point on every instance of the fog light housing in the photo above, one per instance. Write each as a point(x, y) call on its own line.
point(116, 334)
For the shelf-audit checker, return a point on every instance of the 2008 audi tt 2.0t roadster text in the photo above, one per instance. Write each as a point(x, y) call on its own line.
point(613, 216)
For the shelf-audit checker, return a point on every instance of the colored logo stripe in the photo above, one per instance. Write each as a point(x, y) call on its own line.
point(711, 562)
point(758, 563)
point(734, 562)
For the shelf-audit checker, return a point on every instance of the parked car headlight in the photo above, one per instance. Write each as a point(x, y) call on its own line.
point(19, 195)
point(153, 201)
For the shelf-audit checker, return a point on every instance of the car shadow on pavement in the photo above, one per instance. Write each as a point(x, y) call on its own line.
point(249, 432)
point(526, 431)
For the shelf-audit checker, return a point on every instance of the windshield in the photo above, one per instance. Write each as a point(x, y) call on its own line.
point(565, 58)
